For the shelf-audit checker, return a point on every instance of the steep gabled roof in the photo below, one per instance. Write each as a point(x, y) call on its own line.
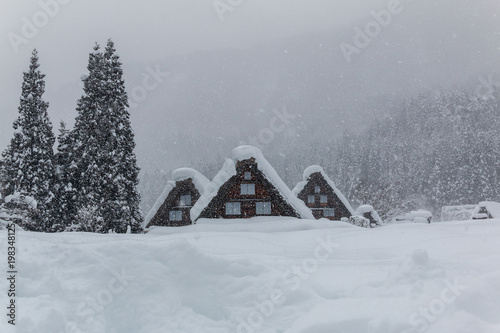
point(200, 182)
point(228, 170)
point(317, 169)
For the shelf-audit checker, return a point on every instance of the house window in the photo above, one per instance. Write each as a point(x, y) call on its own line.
point(247, 189)
point(248, 175)
point(310, 199)
point(263, 208)
point(185, 200)
point(233, 208)
point(316, 189)
point(175, 215)
point(323, 199)
point(328, 212)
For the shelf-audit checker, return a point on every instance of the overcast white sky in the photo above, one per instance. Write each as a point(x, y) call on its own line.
point(147, 31)
point(150, 31)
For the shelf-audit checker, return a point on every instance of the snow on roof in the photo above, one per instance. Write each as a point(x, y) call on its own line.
point(246, 152)
point(199, 181)
point(310, 170)
point(242, 153)
point(228, 170)
point(363, 209)
point(317, 169)
point(158, 203)
point(457, 213)
point(421, 213)
point(492, 207)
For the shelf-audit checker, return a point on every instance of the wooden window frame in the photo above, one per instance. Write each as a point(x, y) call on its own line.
point(332, 210)
point(174, 215)
point(232, 210)
point(265, 206)
point(244, 189)
point(182, 202)
point(325, 197)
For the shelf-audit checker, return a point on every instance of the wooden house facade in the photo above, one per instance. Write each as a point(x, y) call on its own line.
point(320, 195)
point(246, 187)
point(173, 207)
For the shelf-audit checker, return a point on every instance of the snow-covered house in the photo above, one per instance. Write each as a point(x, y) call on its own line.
point(173, 206)
point(248, 186)
point(321, 195)
point(486, 210)
point(369, 213)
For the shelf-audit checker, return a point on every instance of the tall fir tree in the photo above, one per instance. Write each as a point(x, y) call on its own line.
point(85, 174)
point(122, 196)
point(106, 172)
point(64, 208)
point(28, 168)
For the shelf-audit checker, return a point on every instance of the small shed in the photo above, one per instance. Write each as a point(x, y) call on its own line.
point(321, 195)
point(486, 210)
point(173, 206)
point(369, 213)
point(248, 186)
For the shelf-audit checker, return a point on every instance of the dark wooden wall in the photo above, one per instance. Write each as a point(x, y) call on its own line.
point(172, 202)
point(333, 201)
point(264, 191)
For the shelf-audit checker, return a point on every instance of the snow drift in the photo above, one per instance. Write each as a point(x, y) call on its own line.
point(263, 275)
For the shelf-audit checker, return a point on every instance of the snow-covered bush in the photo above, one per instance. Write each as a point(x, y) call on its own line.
point(360, 221)
point(20, 209)
point(88, 219)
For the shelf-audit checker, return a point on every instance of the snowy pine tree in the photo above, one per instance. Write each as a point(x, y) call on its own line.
point(85, 174)
point(428, 151)
point(64, 207)
point(105, 173)
point(27, 168)
point(122, 196)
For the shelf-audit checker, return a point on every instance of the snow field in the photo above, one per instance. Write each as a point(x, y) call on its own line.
point(262, 275)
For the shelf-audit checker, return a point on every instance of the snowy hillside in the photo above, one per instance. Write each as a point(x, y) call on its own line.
point(262, 275)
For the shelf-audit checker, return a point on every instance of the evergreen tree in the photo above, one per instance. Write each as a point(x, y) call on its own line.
point(430, 151)
point(27, 169)
point(85, 174)
point(64, 210)
point(122, 198)
point(105, 172)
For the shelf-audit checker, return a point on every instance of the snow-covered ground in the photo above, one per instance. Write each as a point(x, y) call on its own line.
point(261, 275)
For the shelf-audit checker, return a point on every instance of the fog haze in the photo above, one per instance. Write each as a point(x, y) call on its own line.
point(228, 78)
